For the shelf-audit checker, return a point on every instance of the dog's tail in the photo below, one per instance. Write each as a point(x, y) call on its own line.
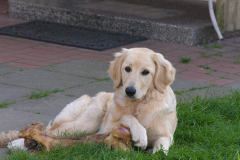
point(8, 137)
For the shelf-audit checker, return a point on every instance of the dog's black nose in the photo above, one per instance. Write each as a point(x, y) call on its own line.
point(130, 91)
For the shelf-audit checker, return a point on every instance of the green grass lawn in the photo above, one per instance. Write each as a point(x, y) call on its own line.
point(208, 128)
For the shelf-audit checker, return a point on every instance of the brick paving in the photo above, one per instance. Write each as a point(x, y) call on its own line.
point(224, 63)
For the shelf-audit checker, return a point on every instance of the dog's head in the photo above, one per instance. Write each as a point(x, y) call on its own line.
point(138, 70)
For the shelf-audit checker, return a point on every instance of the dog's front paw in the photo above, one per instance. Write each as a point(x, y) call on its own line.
point(139, 136)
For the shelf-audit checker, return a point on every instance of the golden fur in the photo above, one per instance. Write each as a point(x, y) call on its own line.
point(150, 113)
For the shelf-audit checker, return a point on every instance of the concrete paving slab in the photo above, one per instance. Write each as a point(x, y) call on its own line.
point(90, 89)
point(50, 106)
point(84, 68)
point(4, 69)
point(212, 91)
point(184, 84)
point(234, 85)
point(43, 79)
point(12, 93)
point(15, 120)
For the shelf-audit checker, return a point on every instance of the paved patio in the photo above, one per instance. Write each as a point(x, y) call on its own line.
point(224, 63)
point(26, 65)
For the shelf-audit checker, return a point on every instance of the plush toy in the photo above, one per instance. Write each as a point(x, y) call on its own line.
point(37, 138)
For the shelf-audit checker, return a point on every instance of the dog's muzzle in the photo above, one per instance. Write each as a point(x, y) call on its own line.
point(130, 91)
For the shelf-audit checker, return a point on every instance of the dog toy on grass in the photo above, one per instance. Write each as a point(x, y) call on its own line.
point(37, 138)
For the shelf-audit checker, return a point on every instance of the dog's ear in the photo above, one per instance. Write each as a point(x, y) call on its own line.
point(115, 69)
point(164, 74)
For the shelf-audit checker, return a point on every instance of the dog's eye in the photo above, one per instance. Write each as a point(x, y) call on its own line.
point(128, 69)
point(145, 72)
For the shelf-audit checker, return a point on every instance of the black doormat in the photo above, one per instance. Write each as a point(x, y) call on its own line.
point(69, 35)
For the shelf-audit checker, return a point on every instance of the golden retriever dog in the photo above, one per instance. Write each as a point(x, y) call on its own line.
point(143, 100)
